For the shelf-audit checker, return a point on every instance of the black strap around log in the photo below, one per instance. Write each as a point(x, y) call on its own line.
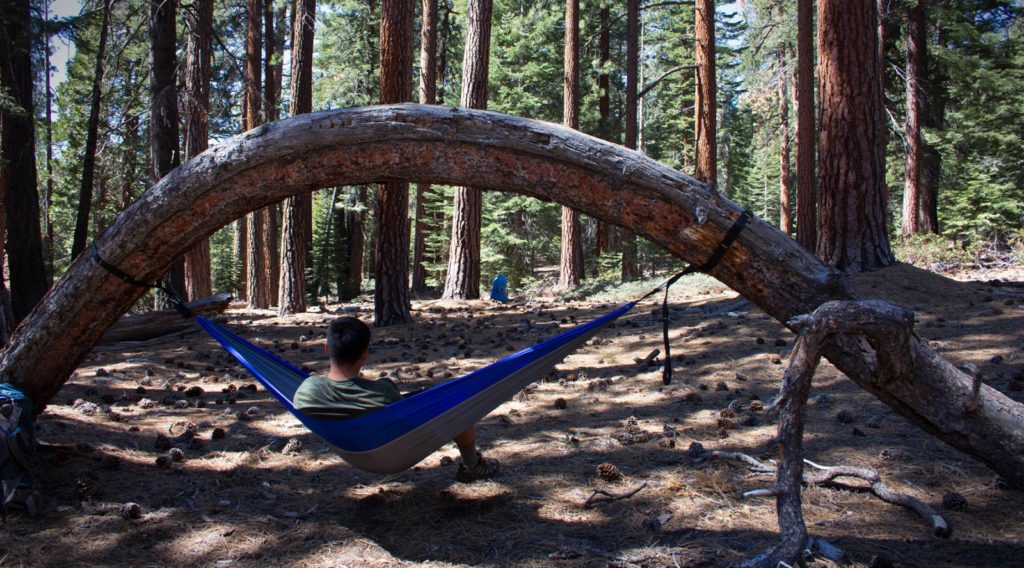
point(716, 256)
point(176, 300)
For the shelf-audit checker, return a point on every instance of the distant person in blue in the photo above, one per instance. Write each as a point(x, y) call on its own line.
point(499, 289)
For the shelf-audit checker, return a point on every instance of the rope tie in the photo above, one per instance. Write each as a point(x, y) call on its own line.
point(176, 300)
point(716, 256)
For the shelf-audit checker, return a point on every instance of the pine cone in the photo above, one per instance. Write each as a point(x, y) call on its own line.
point(608, 472)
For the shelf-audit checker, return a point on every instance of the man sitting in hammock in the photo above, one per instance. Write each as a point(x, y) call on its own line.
point(342, 393)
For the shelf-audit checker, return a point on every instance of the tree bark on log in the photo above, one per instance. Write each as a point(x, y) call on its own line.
point(500, 153)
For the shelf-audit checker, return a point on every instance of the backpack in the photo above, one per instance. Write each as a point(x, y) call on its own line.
point(17, 446)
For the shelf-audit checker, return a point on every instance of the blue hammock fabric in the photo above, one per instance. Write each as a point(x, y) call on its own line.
point(401, 434)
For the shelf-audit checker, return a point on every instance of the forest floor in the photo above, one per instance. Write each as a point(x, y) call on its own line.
point(244, 494)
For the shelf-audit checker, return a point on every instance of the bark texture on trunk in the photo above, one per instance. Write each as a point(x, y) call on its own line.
point(92, 133)
point(916, 193)
point(18, 174)
point(297, 212)
point(427, 96)
point(785, 219)
point(463, 279)
point(705, 106)
point(256, 291)
point(602, 239)
point(570, 268)
point(391, 258)
point(806, 135)
point(196, 103)
point(494, 152)
point(852, 225)
point(629, 269)
point(165, 153)
point(271, 229)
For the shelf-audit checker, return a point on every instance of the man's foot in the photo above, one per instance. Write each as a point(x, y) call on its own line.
point(485, 468)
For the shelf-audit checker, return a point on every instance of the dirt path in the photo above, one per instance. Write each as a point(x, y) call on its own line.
point(240, 498)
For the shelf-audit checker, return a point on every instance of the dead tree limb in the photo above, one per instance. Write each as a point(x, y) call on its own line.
point(601, 496)
point(493, 152)
point(888, 330)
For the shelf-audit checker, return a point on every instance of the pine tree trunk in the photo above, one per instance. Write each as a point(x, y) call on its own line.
point(629, 269)
point(17, 147)
point(257, 292)
point(165, 154)
point(570, 272)
point(806, 136)
point(47, 202)
point(92, 133)
point(604, 108)
point(852, 225)
point(785, 221)
point(463, 279)
point(917, 196)
point(705, 105)
point(297, 212)
point(427, 96)
point(350, 243)
point(271, 234)
point(196, 104)
point(391, 266)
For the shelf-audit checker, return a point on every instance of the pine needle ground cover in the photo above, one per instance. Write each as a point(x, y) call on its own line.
point(223, 476)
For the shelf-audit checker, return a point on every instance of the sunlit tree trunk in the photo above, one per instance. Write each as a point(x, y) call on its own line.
point(257, 293)
point(629, 270)
point(917, 195)
point(297, 212)
point(705, 105)
point(271, 237)
point(785, 221)
point(463, 278)
point(602, 240)
point(571, 265)
point(427, 96)
point(852, 228)
point(196, 104)
point(391, 271)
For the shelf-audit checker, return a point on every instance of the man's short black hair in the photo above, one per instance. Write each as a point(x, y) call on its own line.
point(347, 339)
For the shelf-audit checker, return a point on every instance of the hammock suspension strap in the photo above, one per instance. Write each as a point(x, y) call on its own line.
point(716, 256)
point(176, 300)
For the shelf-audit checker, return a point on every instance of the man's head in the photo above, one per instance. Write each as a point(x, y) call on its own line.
point(347, 340)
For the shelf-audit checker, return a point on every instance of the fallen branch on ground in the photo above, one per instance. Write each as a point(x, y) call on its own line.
point(827, 477)
point(601, 496)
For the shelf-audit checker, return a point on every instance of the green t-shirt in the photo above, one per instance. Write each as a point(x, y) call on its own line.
point(321, 397)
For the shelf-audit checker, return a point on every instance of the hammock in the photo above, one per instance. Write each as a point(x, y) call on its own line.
point(401, 434)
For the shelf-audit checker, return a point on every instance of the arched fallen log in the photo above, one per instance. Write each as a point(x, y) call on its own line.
point(494, 152)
